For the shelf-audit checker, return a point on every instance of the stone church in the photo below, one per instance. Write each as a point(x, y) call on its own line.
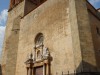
point(51, 37)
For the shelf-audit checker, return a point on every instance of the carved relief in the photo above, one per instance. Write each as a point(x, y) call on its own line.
point(46, 53)
point(39, 59)
point(41, 54)
point(39, 47)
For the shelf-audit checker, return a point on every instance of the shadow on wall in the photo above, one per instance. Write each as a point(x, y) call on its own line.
point(83, 69)
point(0, 70)
point(86, 67)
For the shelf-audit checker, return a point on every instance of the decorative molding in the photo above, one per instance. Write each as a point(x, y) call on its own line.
point(33, 62)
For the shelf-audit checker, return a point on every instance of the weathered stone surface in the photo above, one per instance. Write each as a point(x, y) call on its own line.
point(51, 19)
point(95, 26)
point(66, 27)
point(85, 35)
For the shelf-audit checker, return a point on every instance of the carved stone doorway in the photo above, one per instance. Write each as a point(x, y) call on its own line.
point(39, 61)
point(39, 67)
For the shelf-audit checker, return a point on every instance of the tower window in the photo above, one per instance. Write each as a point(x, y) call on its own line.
point(97, 30)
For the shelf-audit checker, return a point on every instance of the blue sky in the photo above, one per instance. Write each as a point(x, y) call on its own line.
point(95, 3)
point(4, 5)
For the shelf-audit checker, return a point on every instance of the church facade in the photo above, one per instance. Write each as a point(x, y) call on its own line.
point(48, 37)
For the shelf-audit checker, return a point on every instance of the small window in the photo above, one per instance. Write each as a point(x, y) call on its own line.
point(39, 39)
point(98, 30)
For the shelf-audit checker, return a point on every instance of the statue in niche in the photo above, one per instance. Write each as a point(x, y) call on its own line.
point(46, 53)
point(39, 46)
point(38, 54)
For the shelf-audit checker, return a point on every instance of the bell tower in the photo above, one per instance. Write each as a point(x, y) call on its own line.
point(10, 47)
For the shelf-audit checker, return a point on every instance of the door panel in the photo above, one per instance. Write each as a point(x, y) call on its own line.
point(39, 70)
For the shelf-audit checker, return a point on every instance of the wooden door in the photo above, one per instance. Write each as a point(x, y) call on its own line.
point(39, 70)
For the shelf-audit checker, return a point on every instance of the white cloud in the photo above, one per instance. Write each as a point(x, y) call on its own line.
point(3, 16)
point(2, 31)
point(94, 1)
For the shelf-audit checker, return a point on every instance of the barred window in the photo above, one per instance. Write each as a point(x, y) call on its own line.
point(98, 30)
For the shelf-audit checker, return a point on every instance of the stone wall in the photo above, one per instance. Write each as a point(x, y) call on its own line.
point(95, 29)
point(75, 36)
point(85, 36)
point(52, 19)
point(66, 28)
